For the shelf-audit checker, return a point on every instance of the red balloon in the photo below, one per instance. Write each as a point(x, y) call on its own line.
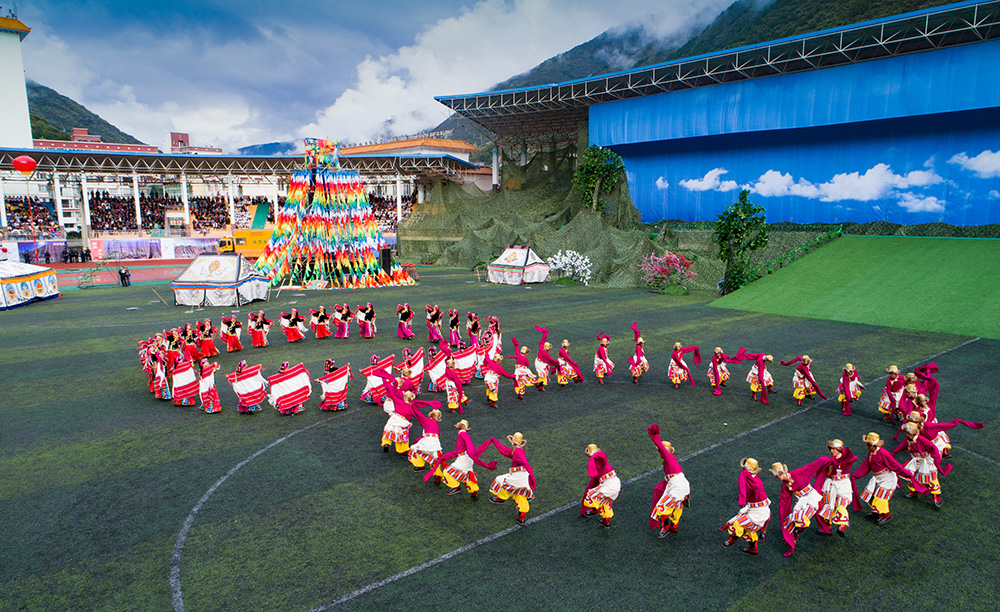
point(25, 164)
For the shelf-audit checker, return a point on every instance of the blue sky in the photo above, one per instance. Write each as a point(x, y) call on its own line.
point(239, 73)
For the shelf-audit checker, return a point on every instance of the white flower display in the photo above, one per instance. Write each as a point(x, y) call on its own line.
point(573, 265)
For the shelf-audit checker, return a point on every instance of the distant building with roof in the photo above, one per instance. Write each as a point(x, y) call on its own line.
point(417, 145)
point(180, 142)
point(84, 141)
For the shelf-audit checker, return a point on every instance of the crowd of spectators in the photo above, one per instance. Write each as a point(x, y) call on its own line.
point(209, 213)
point(116, 214)
point(384, 210)
point(30, 217)
point(111, 213)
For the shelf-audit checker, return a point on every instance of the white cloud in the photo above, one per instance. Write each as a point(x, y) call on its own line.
point(662, 183)
point(482, 45)
point(877, 182)
point(984, 165)
point(915, 203)
point(710, 181)
point(994, 194)
point(774, 183)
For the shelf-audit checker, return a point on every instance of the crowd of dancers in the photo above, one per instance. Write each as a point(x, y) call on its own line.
point(178, 366)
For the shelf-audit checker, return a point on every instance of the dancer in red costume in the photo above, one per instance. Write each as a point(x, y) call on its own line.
point(320, 322)
point(208, 348)
point(849, 389)
point(473, 328)
point(759, 378)
point(334, 385)
point(803, 382)
point(249, 386)
point(838, 489)
point(492, 373)
point(718, 373)
point(398, 406)
point(258, 325)
point(522, 369)
point(455, 325)
point(427, 449)
point(458, 465)
point(233, 330)
point(366, 320)
point(678, 370)
point(891, 394)
point(799, 501)
point(750, 523)
point(885, 471)
point(434, 316)
point(519, 481)
point(638, 363)
point(603, 488)
point(925, 463)
point(672, 493)
point(453, 388)
point(603, 366)
point(935, 432)
point(207, 391)
point(568, 369)
point(544, 363)
point(293, 325)
point(405, 316)
point(342, 321)
point(191, 343)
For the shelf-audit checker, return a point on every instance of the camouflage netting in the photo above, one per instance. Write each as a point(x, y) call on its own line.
point(536, 206)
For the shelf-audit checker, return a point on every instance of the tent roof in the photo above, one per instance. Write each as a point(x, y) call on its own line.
point(216, 270)
point(10, 270)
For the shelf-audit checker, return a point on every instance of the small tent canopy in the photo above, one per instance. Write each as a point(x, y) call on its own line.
point(518, 265)
point(225, 279)
point(22, 283)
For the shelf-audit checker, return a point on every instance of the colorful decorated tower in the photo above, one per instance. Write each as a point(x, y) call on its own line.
point(325, 236)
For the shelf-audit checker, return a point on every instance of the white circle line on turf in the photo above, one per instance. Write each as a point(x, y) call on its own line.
point(175, 561)
point(376, 585)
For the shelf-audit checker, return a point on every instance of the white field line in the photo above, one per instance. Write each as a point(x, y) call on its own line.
point(175, 563)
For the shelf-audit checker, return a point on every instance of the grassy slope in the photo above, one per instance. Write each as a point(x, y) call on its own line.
point(99, 477)
point(933, 284)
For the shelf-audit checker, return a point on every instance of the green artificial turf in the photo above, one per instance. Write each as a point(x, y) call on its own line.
point(98, 477)
point(930, 284)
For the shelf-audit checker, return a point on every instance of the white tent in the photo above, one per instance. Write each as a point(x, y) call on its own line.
point(22, 283)
point(516, 266)
point(226, 279)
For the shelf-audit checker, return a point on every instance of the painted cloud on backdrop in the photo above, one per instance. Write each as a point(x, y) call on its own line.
point(710, 182)
point(877, 183)
point(662, 183)
point(984, 165)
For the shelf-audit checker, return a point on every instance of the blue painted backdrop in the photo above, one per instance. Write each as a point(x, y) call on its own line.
point(914, 139)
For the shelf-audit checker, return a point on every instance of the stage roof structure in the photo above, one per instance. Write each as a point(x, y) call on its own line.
point(103, 162)
point(558, 108)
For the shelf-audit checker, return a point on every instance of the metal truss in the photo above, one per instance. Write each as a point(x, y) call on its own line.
point(557, 108)
point(208, 166)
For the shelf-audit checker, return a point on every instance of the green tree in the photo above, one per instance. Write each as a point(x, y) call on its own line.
point(740, 230)
point(43, 130)
point(597, 173)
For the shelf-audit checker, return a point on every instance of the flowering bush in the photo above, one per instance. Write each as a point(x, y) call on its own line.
point(659, 271)
point(573, 265)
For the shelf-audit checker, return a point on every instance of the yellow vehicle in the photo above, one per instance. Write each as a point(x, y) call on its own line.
point(248, 242)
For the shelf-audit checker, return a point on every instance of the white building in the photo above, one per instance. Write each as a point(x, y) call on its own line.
point(15, 124)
